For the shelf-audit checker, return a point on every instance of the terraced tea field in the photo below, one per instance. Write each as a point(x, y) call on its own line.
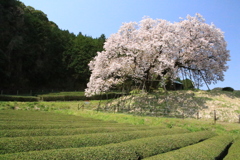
point(45, 135)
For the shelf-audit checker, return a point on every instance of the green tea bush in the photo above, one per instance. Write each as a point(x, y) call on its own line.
point(18, 98)
point(27, 121)
point(50, 97)
point(88, 153)
point(133, 149)
point(208, 149)
point(234, 150)
point(38, 125)
point(24, 144)
point(62, 98)
point(78, 124)
point(69, 131)
point(41, 117)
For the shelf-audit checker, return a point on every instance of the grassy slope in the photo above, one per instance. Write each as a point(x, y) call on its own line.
point(190, 124)
point(188, 103)
point(226, 104)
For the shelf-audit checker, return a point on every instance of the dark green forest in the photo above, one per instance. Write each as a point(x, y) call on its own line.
point(36, 54)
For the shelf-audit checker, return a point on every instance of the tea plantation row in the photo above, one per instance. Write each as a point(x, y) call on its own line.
point(43, 135)
point(64, 96)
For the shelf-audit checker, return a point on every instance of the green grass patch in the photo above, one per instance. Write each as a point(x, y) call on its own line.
point(192, 125)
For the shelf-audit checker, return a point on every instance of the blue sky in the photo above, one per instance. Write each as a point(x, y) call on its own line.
point(96, 17)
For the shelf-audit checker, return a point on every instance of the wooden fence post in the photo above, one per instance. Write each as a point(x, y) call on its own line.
point(215, 116)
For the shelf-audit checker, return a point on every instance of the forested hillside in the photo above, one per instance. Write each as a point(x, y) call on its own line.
point(35, 53)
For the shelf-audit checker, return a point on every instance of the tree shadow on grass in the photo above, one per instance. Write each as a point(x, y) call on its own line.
point(171, 104)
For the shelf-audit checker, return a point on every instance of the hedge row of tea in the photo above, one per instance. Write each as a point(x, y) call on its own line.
point(44, 135)
point(40, 117)
point(133, 149)
point(19, 98)
point(208, 149)
point(24, 144)
point(69, 131)
point(234, 150)
point(28, 120)
point(57, 125)
point(78, 98)
point(50, 97)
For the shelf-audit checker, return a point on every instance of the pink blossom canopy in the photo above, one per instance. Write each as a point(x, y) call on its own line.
point(157, 48)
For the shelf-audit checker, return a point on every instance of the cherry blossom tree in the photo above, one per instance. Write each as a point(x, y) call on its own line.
point(153, 50)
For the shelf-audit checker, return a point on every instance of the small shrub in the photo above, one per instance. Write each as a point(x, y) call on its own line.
point(18, 98)
point(217, 89)
point(135, 91)
point(230, 89)
point(187, 84)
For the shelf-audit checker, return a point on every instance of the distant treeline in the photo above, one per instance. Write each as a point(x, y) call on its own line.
point(35, 53)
